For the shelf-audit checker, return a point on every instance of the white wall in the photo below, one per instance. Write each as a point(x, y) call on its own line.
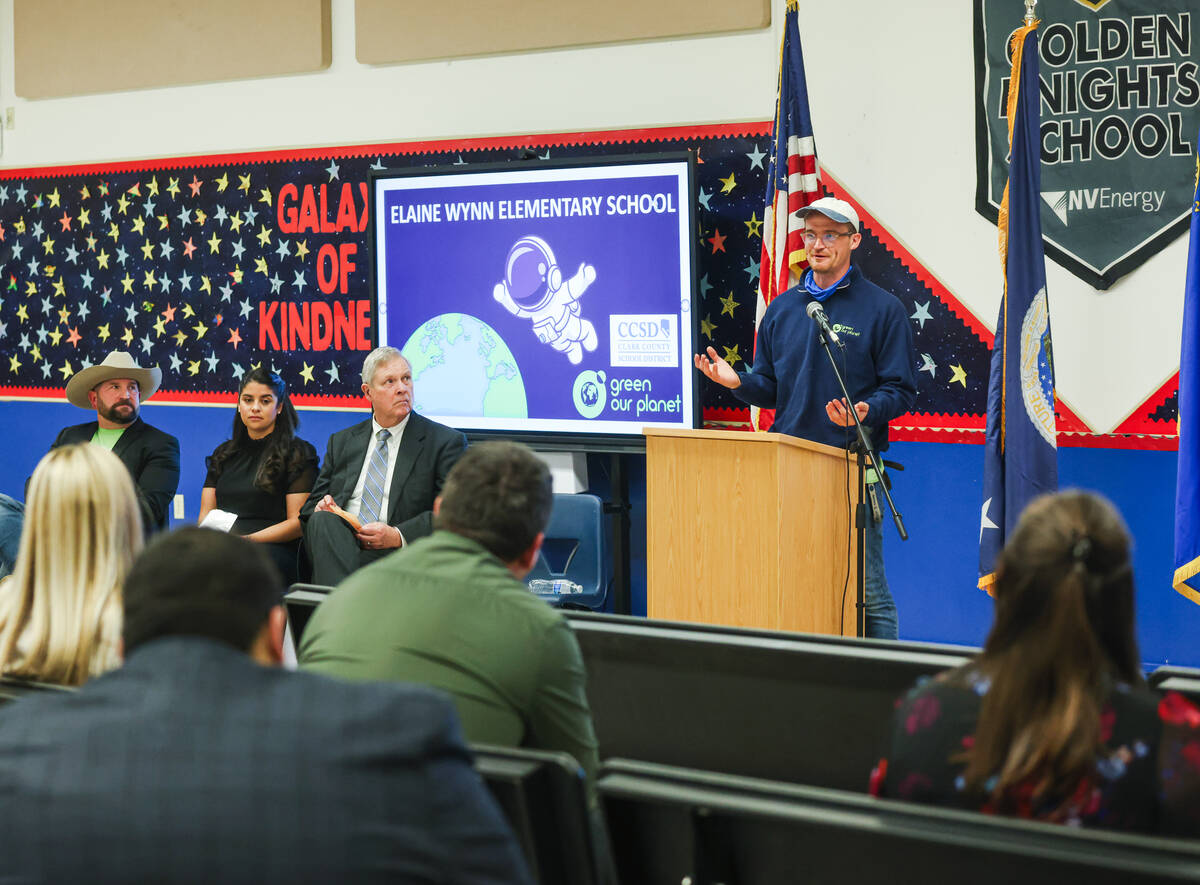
point(891, 88)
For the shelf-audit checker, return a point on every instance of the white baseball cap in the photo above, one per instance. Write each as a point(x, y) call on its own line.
point(833, 208)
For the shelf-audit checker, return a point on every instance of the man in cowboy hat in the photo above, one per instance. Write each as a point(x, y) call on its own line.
point(116, 388)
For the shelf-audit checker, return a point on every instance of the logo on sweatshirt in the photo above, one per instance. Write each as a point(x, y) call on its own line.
point(843, 329)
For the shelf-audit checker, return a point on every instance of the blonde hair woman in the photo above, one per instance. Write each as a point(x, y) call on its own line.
point(60, 609)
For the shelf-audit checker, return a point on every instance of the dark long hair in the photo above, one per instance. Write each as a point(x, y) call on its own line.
point(281, 457)
point(1063, 635)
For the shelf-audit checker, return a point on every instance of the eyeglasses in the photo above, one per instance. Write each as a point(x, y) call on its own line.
point(828, 239)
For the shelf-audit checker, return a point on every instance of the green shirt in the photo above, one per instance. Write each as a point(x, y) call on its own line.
point(444, 612)
point(107, 436)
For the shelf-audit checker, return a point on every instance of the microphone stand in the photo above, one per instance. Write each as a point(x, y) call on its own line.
point(860, 514)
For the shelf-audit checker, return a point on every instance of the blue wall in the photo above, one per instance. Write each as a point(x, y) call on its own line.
point(932, 575)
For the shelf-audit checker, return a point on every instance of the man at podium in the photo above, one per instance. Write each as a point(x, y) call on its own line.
point(794, 377)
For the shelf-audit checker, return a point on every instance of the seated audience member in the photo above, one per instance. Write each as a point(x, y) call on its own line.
point(1053, 721)
point(264, 473)
point(114, 389)
point(384, 472)
point(60, 609)
point(451, 611)
point(200, 760)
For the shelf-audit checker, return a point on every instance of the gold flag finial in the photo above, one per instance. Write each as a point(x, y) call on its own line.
point(1030, 16)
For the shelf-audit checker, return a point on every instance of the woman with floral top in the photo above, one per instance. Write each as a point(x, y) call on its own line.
point(1053, 720)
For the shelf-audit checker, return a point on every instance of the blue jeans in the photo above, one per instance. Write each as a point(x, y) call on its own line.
point(12, 518)
point(881, 608)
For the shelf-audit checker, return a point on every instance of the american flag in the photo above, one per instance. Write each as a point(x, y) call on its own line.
point(793, 181)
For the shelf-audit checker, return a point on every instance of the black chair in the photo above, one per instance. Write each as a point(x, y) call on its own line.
point(1162, 674)
point(1188, 686)
point(675, 825)
point(300, 602)
point(784, 706)
point(13, 689)
point(543, 795)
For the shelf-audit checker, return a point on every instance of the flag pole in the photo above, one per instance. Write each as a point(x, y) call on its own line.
point(1030, 16)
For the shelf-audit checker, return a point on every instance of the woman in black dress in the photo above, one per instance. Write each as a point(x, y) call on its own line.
point(264, 473)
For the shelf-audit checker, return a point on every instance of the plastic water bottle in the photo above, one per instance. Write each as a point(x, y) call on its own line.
point(556, 587)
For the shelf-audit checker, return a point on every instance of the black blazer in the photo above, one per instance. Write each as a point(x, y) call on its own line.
point(152, 458)
point(194, 764)
point(427, 452)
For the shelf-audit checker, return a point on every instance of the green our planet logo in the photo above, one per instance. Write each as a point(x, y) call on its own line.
point(589, 393)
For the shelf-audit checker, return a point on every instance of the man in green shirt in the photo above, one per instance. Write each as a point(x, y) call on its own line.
point(451, 611)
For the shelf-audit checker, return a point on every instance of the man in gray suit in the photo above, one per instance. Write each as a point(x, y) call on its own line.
point(201, 761)
point(383, 474)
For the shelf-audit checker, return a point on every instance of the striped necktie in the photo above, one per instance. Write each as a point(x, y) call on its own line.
point(372, 497)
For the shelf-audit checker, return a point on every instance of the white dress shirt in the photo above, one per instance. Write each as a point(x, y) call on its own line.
point(354, 505)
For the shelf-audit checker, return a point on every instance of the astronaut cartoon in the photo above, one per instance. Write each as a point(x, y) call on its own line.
point(534, 287)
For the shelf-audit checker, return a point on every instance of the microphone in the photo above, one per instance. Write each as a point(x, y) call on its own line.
point(816, 312)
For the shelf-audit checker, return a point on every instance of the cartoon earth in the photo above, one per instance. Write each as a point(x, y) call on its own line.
point(461, 366)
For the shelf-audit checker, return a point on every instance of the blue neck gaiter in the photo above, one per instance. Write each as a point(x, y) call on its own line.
point(811, 287)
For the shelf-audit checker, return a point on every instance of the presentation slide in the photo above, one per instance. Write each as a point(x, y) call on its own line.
point(539, 298)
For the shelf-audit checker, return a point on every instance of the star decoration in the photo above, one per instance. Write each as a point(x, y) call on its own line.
point(222, 182)
point(194, 184)
point(754, 225)
point(214, 244)
point(74, 337)
point(703, 199)
point(200, 329)
point(55, 337)
point(13, 363)
point(732, 356)
point(173, 187)
point(66, 370)
point(103, 332)
point(727, 184)
point(307, 373)
point(718, 242)
point(264, 235)
point(264, 195)
point(728, 304)
point(957, 373)
point(751, 269)
point(302, 249)
point(706, 327)
point(928, 365)
point(188, 247)
point(332, 372)
point(180, 338)
point(705, 285)
point(127, 284)
point(299, 281)
point(985, 521)
point(235, 338)
point(921, 314)
point(332, 169)
point(193, 367)
point(756, 158)
point(212, 361)
point(176, 363)
point(244, 183)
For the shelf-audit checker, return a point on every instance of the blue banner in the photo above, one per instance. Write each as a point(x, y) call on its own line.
point(1187, 483)
point(1020, 452)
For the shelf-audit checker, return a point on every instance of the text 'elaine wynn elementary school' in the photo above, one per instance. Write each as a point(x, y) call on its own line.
point(544, 207)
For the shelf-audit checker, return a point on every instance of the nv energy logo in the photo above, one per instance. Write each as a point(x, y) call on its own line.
point(589, 393)
point(1063, 203)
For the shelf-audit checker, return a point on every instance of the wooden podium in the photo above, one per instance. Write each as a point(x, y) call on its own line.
point(750, 530)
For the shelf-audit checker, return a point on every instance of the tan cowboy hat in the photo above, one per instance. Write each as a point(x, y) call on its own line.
point(118, 364)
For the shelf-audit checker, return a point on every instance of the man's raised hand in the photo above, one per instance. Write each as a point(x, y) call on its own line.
point(717, 369)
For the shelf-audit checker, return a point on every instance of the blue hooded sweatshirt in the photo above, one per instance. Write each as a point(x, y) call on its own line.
point(792, 375)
